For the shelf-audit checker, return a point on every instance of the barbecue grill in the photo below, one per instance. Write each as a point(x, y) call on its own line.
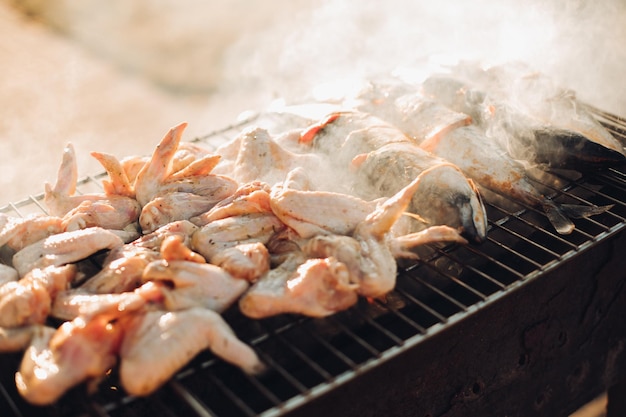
point(528, 323)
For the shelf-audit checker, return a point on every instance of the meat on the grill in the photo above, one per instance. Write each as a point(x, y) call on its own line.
point(58, 359)
point(312, 212)
point(250, 197)
point(383, 160)
point(18, 232)
point(158, 343)
point(29, 300)
point(64, 248)
point(312, 287)
point(193, 284)
point(245, 260)
point(226, 232)
point(302, 220)
point(528, 115)
point(256, 156)
point(86, 210)
point(173, 248)
point(73, 303)
point(491, 167)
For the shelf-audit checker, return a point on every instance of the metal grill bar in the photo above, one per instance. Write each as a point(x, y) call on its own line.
point(397, 313)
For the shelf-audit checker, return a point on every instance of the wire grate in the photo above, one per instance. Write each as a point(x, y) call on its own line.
point(306, 357)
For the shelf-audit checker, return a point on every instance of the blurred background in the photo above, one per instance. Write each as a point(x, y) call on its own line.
point(114, 76)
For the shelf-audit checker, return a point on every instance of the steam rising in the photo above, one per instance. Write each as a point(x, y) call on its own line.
point(580, 44)
point(281, 48)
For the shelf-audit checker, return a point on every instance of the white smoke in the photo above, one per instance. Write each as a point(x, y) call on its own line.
point(256, 50)
point(579, 43)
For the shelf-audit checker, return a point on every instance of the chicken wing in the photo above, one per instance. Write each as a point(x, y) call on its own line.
point(159, 343)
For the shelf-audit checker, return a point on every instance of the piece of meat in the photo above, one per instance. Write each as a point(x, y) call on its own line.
point(159, 343)
point(246, 260)
point(117, 213)
point(174, 206)
point(173, 248)
point(192, 284)
point(153, 173)
point(19, 232)
point(231, 231)
point(252, 197)
point(29, 300)
point(73, 303)
point(64, 248)
point(317, 212)
point(314, 287)
point(59, 359)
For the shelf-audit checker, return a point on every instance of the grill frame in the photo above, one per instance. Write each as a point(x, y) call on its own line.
point(434, 300)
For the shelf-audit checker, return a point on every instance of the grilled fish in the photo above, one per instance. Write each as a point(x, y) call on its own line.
point(530, 117)
point(490, 166)
point(387, 160)
point(446, 196)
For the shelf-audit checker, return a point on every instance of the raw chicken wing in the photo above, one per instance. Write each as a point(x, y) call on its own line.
point(159, 343)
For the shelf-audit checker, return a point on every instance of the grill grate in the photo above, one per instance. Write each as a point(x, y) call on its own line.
point(310, 357)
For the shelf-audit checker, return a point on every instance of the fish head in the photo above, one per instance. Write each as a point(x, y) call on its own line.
point(447, 197)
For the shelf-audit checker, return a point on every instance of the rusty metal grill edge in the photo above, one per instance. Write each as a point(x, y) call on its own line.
point(308, 358)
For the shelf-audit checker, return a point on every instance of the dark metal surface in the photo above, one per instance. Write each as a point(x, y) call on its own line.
point(528, 323)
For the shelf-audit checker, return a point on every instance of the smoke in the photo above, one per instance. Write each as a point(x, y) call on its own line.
point(258, 50)
point(578, 43)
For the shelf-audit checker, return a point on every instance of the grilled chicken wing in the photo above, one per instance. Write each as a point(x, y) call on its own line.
point(195, 284)
point(245, 260)
point(117, 214)
point(172, 207)
point(63, 248)
point(29, 300)
point(118, 183)
point(60, 359)
point(123, 267)
point(173, 248)
point(74, 303)
point(86, 210)
point(19, 232)
point(252, 197)
point(231, 231)
point(312, 287)
point(159, 343)
point(258, 157)
point(154, 173)
point(317, 212)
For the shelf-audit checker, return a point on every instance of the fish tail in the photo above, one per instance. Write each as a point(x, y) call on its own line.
point(577, 211)
point(561, 222)
point(560, 215)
